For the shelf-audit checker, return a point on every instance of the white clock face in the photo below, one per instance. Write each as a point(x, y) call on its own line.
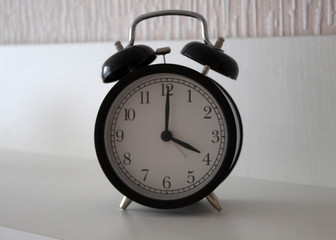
point(165, 147)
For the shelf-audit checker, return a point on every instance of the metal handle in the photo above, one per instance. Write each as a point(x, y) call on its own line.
point(204, 24)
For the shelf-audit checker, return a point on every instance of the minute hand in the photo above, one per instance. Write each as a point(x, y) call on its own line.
point(185, 145)
point(167, 110)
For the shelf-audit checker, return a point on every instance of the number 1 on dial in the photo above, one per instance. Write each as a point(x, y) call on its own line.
point(189, 96)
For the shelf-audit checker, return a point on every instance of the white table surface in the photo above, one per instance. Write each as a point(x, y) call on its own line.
point(70, 198)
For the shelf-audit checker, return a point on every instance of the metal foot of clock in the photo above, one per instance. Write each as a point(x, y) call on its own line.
point(212, 198)
point(125, 202)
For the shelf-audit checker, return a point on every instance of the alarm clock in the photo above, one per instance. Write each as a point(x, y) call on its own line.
point(167, 135)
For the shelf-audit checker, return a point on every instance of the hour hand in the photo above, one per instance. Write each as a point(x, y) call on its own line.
point(185, 145)
point(167, 136)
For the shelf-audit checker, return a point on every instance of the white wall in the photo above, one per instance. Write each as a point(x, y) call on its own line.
point(286, 92)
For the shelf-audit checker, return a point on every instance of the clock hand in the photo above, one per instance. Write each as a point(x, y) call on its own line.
point(179, 148)
point(167, 136)
point(167, 110)
point(185, 145)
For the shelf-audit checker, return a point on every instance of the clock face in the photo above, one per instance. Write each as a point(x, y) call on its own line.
point(166, 136)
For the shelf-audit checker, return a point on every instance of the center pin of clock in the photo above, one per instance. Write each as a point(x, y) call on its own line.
point(166, 136)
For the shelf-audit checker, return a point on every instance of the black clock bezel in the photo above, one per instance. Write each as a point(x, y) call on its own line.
point(221, 99)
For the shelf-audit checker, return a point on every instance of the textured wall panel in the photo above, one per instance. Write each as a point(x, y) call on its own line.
point(48, 21)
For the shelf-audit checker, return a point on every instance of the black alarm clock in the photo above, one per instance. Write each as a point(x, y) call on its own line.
point(166, 135)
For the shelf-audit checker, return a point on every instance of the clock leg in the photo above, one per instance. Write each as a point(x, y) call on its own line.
point(213, 200)
point(125, 202)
